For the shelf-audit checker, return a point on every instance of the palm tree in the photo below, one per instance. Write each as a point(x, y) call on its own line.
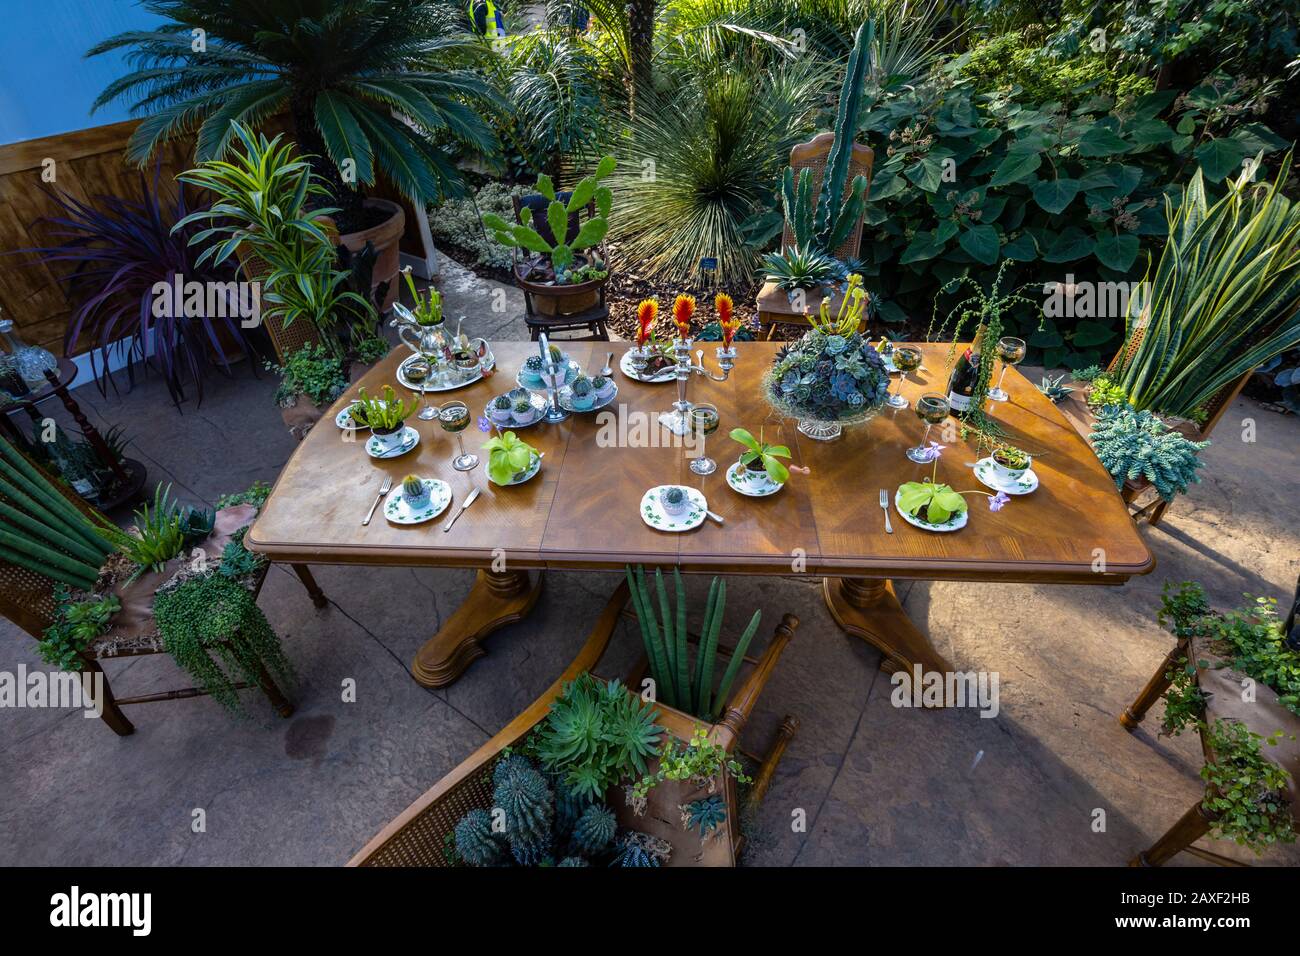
point(366, 83)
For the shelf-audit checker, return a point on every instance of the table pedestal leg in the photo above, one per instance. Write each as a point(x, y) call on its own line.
point(867, 608)
point(497, 598)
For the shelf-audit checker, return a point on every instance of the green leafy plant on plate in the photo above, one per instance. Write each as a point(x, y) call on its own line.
point(934, 503)
point(761, 456)
point(508, 456)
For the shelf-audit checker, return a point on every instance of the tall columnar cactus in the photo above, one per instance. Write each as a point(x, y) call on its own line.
point(523, 795)
point(592, 232)
point(594, 831)
point(476, 843)
point(828, 225)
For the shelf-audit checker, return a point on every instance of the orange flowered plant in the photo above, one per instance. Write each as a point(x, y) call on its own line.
point(683, 309)
point(646, 313)
point(727, 320)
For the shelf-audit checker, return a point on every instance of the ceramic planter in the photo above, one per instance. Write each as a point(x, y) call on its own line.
point(1009, 476)
point(678, 509)
point(389, 439)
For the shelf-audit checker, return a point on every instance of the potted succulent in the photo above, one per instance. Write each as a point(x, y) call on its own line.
point(561, 272)
point(603, 387)
point(502, 410)
point(523, 412)
point(414, 491)
point(1010, 463)
point(386, 416)
point(760, 457)
point(531, 373)
point(509, 458)
point(675, 501)
point(581, 394)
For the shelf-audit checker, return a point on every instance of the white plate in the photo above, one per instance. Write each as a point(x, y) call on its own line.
point(534, 466)
point(954, 523)
point(429, 386)
point(399, 511)
point(565, 398)
point(344, 420)
point(984, 472)
point(663, 375)
point(538, 402)
point(755, 484)
point(571, 371)
point(653, 514)
point(410, 438)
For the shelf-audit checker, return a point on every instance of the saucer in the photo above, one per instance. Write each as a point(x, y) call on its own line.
point(984, 473)
point(565, 398)
point(755, 484)
point(344, 420)
point(534, 466)
point(399, 511)
point(653, 514)
point(410, 438)
point(953, 523)
point(538, 402)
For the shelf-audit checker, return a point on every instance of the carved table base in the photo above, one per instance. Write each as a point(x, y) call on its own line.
point(497, 598)
point(867, 608)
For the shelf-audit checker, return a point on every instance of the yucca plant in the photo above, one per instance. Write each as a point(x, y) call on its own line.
point(350, 72)
point(1225, 297)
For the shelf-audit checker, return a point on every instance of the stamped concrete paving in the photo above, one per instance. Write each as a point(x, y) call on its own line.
point(862, 783)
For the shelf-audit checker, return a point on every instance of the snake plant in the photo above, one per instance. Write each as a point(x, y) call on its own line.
point(1224, 298)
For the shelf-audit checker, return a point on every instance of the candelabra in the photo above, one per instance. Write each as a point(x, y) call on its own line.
point(678, 420)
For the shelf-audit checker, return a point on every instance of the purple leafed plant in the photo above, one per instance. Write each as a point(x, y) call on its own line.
point(119, 249)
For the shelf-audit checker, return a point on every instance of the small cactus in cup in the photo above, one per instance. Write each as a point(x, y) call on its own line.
point(414, 491)
point(581, 385)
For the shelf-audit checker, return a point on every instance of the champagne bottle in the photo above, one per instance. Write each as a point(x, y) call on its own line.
point(965, 376)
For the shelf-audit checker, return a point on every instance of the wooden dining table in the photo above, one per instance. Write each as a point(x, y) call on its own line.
point(581, 512)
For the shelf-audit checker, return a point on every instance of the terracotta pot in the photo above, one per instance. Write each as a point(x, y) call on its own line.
point(385, 238)
point(550, 300)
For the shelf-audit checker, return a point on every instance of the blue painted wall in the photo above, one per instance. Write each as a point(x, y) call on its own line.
point(46, 82)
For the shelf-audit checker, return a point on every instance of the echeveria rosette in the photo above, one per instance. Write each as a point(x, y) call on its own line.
point(828, 377)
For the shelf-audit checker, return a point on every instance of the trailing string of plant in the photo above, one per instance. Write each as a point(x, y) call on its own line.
point(1244, 789)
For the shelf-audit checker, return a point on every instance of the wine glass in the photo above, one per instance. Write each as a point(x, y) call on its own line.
point(906, 358)
point(704, 418)
point(932, 408)
point(417, 373)
point(454, 418)
point(1012, 351)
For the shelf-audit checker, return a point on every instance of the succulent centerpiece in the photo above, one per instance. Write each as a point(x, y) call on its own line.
point(832, 376)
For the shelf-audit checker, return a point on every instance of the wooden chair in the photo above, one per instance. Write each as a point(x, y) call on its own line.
point(419, 835)
point(1198, 820)
point(773, 304)
point(27, 599)
point(577, 308)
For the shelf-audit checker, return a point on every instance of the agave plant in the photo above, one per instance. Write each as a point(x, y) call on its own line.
point(351, 73)
point(801, 267)
point(120, 251)
point(1225, 297)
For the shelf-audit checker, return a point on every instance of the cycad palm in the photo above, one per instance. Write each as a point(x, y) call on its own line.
point(343, 68)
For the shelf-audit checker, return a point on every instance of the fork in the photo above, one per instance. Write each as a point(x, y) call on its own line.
point(884, 503)
point(383, 490)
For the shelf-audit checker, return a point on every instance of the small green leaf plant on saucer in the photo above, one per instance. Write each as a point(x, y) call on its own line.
point(761, 456)
point(508, 456)
point(384, 413)
point(934, 503)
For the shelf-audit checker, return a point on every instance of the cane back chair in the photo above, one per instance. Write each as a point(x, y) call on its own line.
point(420, 834)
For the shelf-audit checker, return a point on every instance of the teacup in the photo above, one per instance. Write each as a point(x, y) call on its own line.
point(670, 508)
point(390, 440)
point(1008, 476)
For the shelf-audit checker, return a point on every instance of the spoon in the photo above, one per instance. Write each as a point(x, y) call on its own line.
point(608, 370)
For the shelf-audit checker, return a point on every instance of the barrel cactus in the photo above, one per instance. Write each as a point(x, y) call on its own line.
point(594, 831)
point(522, 793)
point(413, 489)
point(475, 841)
point(574, 861)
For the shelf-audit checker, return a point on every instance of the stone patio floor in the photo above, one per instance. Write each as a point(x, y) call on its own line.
point(877, 785)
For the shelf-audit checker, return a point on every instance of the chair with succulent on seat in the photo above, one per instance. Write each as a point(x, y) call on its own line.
point(680, 822)
point(1226, 677)
point(64, 555)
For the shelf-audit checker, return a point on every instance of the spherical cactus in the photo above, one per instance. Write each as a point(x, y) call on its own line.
point(594, 831)
point(413, 489)
point(523, 405)
point(557, 355)
point(502, 402)
point(581, 385)
point(475, 841)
